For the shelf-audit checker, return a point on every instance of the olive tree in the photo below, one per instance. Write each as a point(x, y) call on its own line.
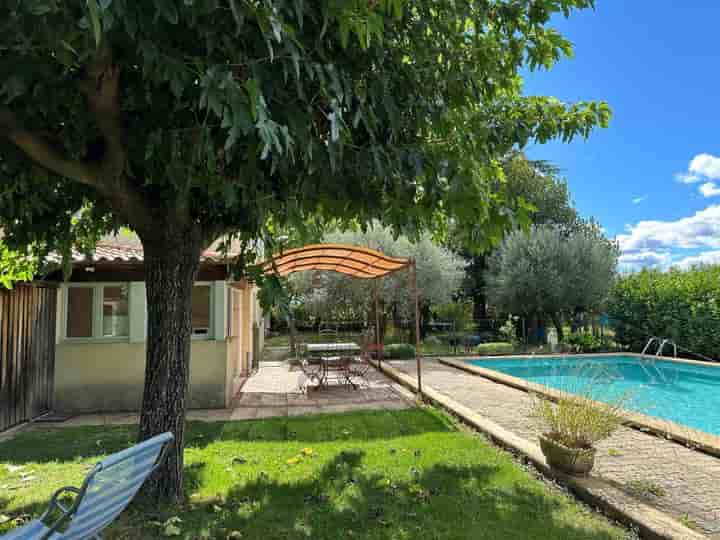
point(545, 272)
point(191, 120)
point(339, 297)
point(538, 186)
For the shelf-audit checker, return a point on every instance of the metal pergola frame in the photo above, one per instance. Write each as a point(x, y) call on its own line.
point(354, 261)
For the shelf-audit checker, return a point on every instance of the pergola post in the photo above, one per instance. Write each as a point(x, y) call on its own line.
point(377, 324)
point(418, 363)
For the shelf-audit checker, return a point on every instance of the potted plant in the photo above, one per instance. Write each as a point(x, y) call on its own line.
point(570, 428)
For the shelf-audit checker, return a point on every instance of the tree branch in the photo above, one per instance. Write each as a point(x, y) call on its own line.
point(42, 152)
point(102, 88)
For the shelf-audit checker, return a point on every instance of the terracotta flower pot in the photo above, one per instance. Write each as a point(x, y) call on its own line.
point(576, 461)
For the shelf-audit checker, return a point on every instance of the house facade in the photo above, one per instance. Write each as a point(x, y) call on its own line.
point(102, 329)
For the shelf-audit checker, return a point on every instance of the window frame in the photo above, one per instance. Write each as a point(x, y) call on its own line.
point(211, 322)
point(97, 314)
point(97, 311)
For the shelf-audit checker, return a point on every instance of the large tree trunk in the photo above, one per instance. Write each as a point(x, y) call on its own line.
point(171, 266)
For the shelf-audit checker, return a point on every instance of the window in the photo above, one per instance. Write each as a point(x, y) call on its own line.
point(96, 311)
point(201, 310)
point(80, 312)
point(112, 312)
point(115, 316)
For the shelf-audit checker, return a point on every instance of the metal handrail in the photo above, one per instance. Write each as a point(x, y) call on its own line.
point(662, 346)
point(650, 342)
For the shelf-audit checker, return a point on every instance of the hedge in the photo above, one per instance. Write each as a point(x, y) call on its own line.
point(680, 305)
point(401, 351)
point(498, 347)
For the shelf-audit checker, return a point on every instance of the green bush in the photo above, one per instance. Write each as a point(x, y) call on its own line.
point(588, 343)
point(680, 305)
point(499, 347)
point(400, 351)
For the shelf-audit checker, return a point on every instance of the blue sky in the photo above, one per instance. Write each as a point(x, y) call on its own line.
point(652, 178)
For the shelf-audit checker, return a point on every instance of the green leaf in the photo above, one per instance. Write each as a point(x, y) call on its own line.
point(94, 13)
point(168, 9)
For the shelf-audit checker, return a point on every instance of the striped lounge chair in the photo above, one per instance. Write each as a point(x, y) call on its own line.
point(106, 492)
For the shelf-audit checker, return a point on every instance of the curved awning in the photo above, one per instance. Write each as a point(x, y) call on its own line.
point(350, 260)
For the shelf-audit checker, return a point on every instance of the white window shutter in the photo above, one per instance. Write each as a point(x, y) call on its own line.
point(219, 306)
point(138, 312)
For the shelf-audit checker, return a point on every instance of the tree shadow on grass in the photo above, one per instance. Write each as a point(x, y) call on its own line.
point(345, 500)
point(87, 442)
point(352, 495)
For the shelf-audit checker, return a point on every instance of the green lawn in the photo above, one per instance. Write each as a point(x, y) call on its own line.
point(366, 475)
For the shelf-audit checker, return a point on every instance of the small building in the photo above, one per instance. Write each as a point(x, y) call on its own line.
point(101, 331)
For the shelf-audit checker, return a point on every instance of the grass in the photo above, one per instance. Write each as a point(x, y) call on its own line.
point(374, 475)
point(645, 488)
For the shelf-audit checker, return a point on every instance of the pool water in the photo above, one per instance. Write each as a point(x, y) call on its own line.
point(686, 394)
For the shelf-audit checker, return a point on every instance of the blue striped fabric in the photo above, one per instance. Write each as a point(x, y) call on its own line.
point(111, 486)
point(31, 531)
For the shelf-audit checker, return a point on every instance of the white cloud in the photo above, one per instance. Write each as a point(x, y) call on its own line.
point(638, 200)
point(697, 231)
point(645, 259)
point(707, 257)
point(685, 178)
point(709, 189)
point(705, 165)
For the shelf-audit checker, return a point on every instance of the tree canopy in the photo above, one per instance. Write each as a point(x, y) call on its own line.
point(535, 186)
point(545, 272)
point(227, 113)
point(189, 120)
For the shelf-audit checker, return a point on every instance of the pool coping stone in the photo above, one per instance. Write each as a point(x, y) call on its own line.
point(692, 438)
point(650, 522)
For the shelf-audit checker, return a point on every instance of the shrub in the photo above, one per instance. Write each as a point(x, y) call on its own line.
point(499, 347)
point(575, 421)
point(400, 351)
point(509, 331)
point(587, 342)
point(681, 305)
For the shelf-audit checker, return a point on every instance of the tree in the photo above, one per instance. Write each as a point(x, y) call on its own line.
point(536, 185)
point(544, 272)
point(188, 121)
point(339, 297)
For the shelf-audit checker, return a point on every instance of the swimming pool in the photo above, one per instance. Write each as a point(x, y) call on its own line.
point(683, 393)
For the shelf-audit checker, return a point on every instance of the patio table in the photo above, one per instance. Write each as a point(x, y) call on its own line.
point(331, 358)
point(329, 348)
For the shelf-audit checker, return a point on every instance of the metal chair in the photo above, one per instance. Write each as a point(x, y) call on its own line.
point(106, 492)
point(311, 368)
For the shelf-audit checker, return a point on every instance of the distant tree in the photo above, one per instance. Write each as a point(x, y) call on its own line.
point(535, 186)
point(546, 273)
point(339, 297)
point(187, 121)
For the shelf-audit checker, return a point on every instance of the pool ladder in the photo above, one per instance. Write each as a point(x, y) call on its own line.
point(658, 353)
point(661, 346)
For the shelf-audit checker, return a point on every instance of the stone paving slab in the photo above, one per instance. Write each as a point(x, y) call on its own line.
point(274, 391)
point(634, 461)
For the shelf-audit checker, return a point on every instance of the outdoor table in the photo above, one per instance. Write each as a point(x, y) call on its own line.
point(328, 355)
point(329, 348)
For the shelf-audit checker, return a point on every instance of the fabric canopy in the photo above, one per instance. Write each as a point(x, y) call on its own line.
point(353, 261)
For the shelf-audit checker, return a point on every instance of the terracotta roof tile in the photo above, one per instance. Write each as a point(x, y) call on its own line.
point(129, 250)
